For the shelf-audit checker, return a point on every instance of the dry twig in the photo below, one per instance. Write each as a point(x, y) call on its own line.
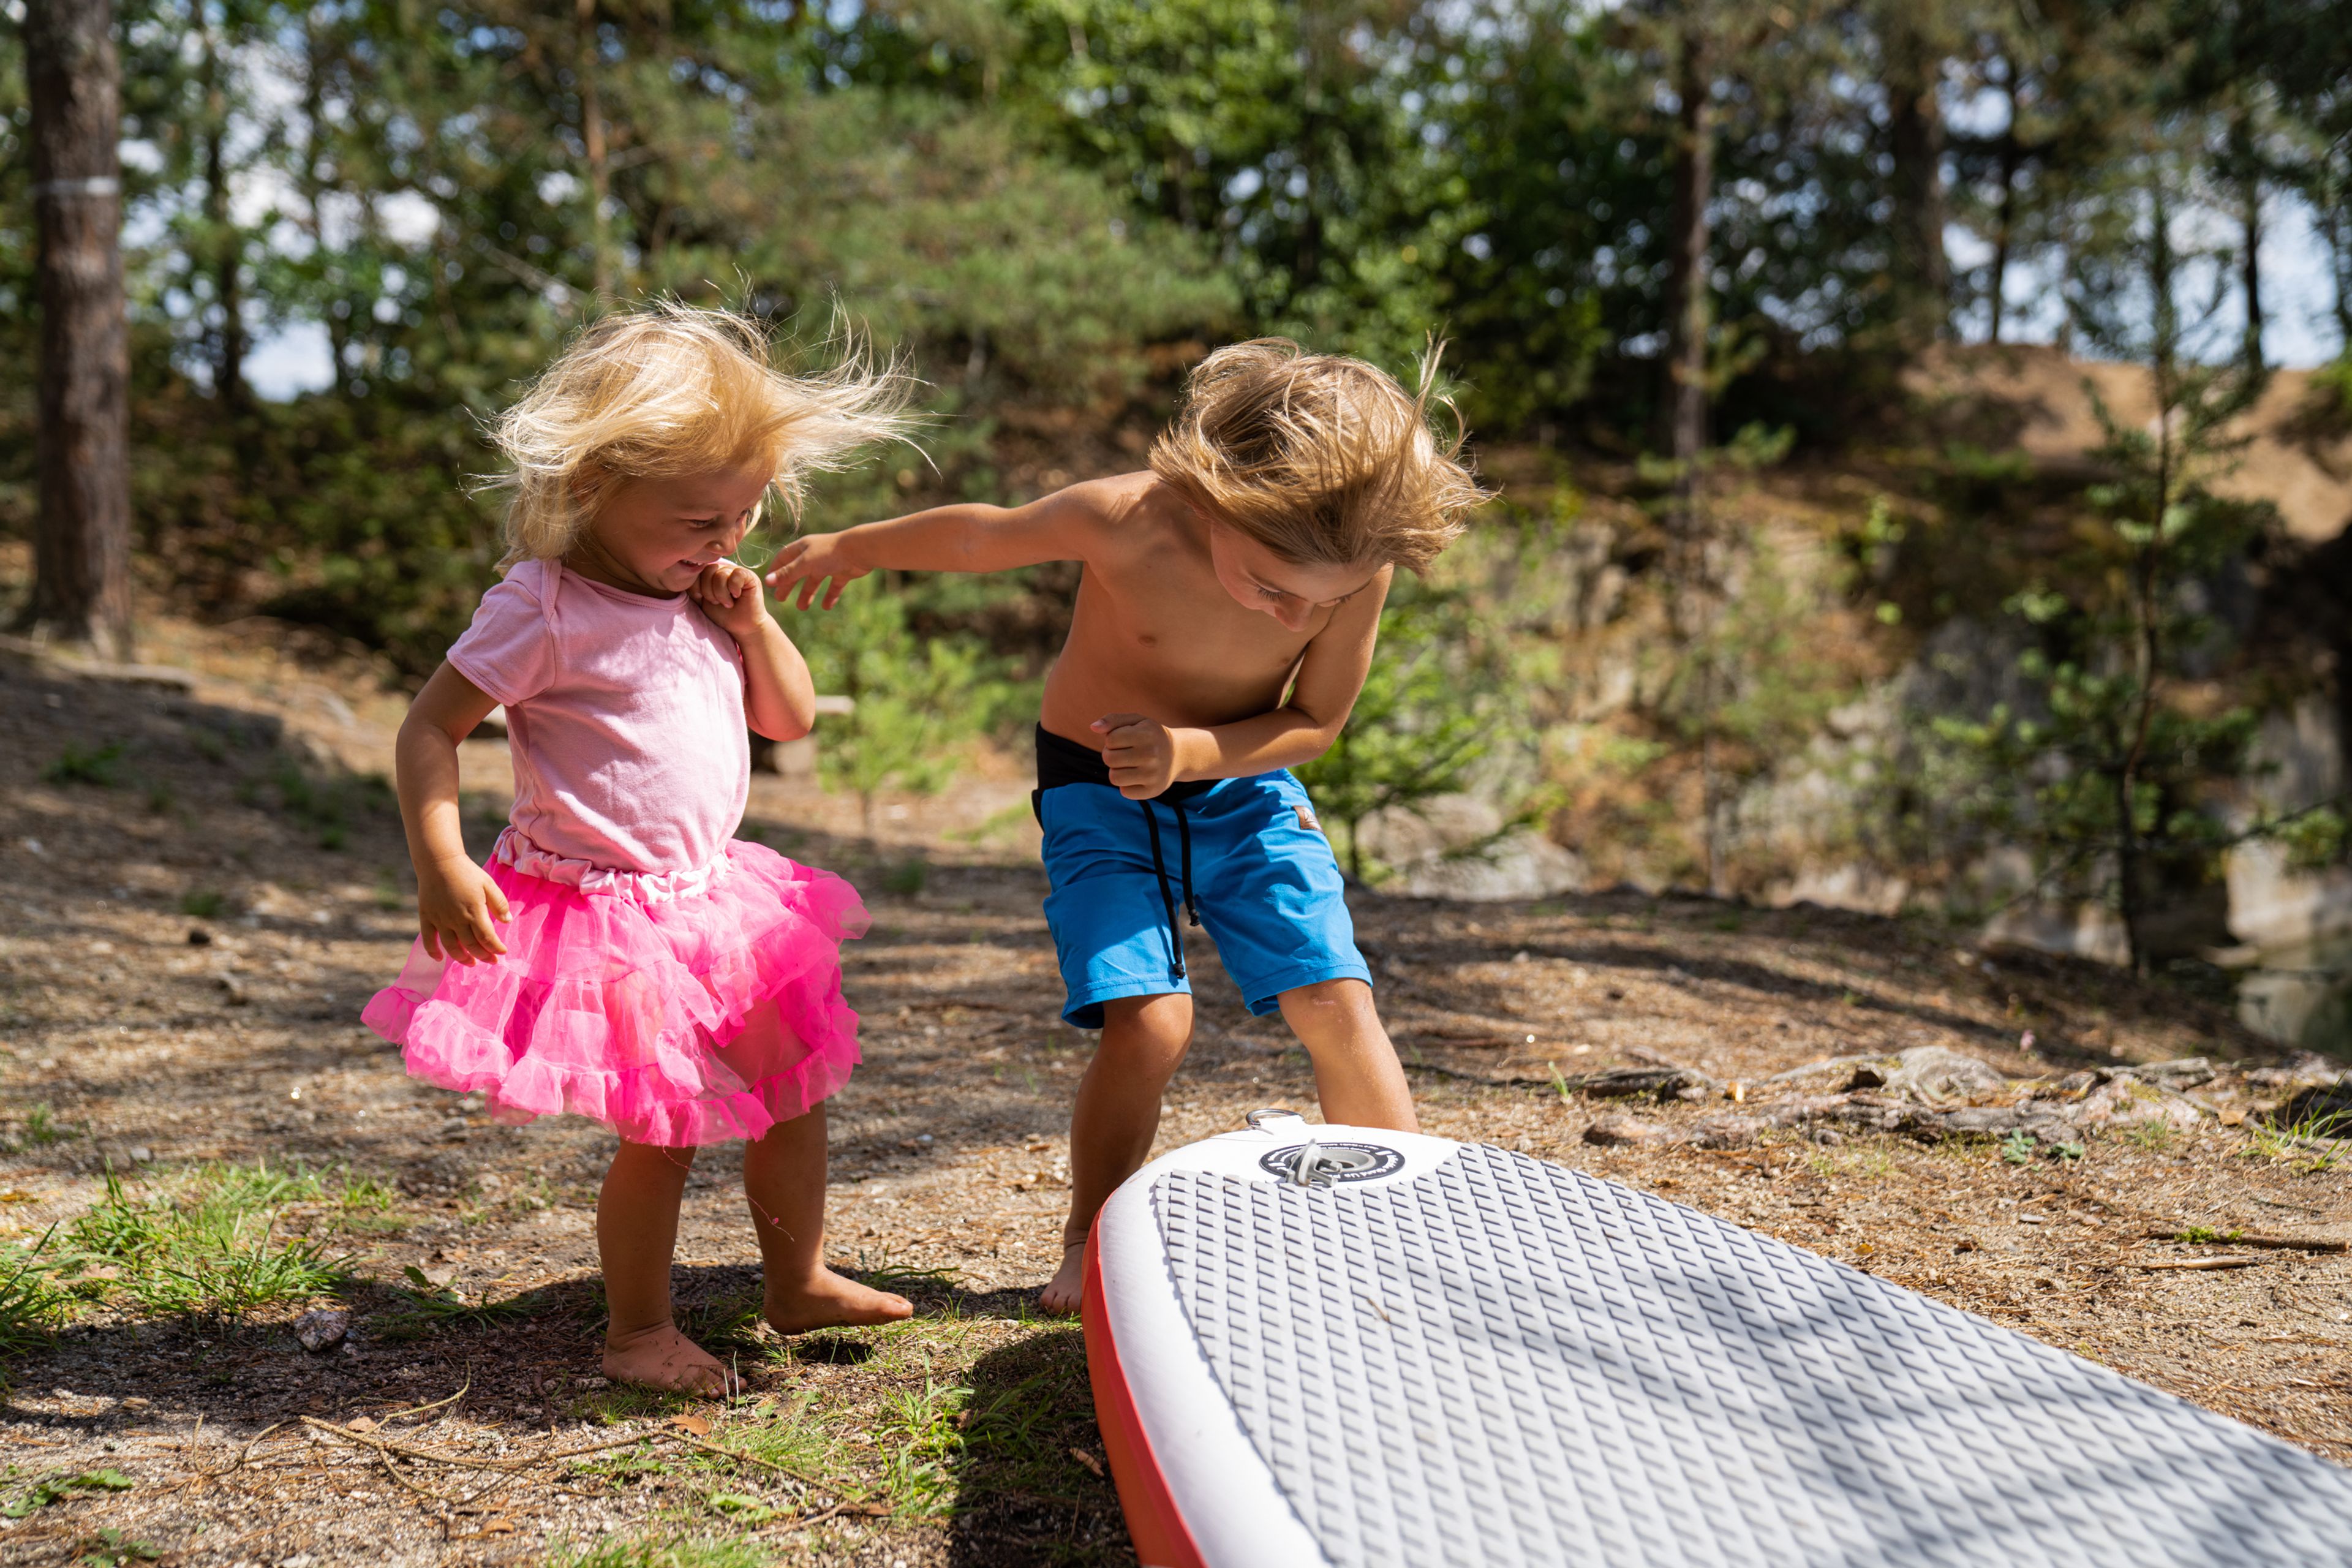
point(2250, 1238)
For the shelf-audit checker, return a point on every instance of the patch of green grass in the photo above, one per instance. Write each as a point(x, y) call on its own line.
point(675, 1552)
point(114, 1549)
point(212, 1246)
point(58, 1489)
point(921, 1431)
point(908, 877)
point(99, 766)
point(2207, 1235)
point(2310, 1144)
point(31, 1305)
point(426, 1309)
point(2151, 1136)
point(42, 1128)
point(885, 1274)
point(328, 806)
point(203, 904)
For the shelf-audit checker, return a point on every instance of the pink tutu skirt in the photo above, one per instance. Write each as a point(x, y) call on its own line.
point(676, 1009)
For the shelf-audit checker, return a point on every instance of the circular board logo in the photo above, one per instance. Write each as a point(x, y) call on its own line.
point(1335, 1163)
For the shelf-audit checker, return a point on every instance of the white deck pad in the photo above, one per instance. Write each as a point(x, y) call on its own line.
point(1445, 1353)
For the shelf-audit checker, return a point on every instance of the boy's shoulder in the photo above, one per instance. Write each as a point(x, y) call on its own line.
point(1124, 511)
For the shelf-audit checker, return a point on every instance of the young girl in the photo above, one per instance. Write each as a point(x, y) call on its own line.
point(622, 956)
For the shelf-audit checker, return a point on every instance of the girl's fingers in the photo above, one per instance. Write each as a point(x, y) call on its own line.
point(432, 941)
point(497, 901)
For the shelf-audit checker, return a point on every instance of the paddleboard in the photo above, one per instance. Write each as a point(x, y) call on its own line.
point(1346, 1347)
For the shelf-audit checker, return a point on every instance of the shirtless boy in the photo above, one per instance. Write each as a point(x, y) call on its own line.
point(1224, 621)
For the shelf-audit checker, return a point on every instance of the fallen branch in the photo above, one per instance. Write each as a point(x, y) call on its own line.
point(2250, 1238)
point(2233, 1262)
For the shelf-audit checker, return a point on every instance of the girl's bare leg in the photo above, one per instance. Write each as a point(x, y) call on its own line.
point(636, 1233)
point(1116, 1118)
point(784, 1181)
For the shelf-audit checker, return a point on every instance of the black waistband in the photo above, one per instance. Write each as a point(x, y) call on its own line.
point(1062, 761)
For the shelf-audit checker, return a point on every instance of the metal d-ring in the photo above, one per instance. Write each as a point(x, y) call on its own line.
point(1259, 1117)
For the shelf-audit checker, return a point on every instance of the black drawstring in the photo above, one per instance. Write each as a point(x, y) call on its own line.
point(1160, 869)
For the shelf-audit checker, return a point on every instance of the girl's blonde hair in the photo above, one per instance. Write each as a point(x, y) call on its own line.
point(1323, 459)
point(672, 389)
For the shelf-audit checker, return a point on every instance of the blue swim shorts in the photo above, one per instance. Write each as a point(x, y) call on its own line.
point(1244, 858)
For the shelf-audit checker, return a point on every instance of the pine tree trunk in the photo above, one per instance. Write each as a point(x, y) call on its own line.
point(229, 293)
point(2005, 224)
point(592, 142)
point(1923, 278)
point(81, 583)
point(2250, 211)
point(1684, 389)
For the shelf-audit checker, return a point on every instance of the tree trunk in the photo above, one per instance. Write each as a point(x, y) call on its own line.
point(1923, 278)
point(592, 142)
point(2250, 210)
point(2005, 224)
point(81, 583)
point(1685, 387)
point(314, 187)
point(221, 236)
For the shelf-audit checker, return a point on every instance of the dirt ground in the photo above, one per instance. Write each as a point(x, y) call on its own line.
point(202, 888)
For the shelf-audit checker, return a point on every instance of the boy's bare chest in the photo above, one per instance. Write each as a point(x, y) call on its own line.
point(1170, 616)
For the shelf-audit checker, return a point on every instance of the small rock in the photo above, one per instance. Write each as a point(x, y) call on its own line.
point(199, 937)
point(2186, 1072)
point(139, 1154)
point(1616, 1131)
point(360, 1424)
point(231, 992)
point(1828, 1137)
point(1937, 1072)
point(321, 1327)
point(1728, 1131)
point(2124, 1101)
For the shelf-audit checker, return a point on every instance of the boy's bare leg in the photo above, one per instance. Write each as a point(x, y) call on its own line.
point(784, 1181)
point(1114, 1120)
point(636, 1232)
point(1358, 1079)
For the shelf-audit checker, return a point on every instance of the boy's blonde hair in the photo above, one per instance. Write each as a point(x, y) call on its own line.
point(672, 389)
point(1323, 459)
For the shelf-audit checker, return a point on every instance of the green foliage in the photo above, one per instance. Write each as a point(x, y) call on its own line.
point(58, 1488)
point(1419, 730)
point(87, 765)
point(31, 1305)
point(210, 1246)
point(426, 1309)
point(919, 701)
point(667, 1552)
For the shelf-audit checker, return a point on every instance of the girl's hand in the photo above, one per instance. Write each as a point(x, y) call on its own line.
point(810, 562)
point(730, 595)
point(456, 903)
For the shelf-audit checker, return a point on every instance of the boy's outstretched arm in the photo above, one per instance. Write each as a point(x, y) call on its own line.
point(962, 538)
point(1145, 756)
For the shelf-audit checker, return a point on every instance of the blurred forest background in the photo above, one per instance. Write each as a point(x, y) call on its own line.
point(1902, 504)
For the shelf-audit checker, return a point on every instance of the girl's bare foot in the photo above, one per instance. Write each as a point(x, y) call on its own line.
point(1066, 1290)
point(661, 1357)
point(830, 1301)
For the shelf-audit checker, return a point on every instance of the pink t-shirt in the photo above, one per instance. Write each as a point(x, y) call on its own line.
point(624, 714)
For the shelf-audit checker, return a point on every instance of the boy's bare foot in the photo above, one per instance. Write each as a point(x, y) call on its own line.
point(1066, 1290)
point(830, 1301)
point(661, 1357)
